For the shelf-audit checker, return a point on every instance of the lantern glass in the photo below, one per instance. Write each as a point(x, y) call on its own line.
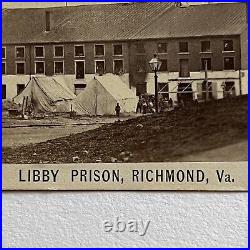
point(155, 64)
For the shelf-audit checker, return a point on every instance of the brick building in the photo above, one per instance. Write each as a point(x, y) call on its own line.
point(73, 44)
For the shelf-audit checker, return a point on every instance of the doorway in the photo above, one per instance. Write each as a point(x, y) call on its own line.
point(185, 92)
point(3, 92)
point(204, 90)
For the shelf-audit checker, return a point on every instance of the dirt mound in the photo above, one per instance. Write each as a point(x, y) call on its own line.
point(159, 137)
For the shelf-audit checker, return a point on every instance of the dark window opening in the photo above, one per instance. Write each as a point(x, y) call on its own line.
point(163, 87)
point(205, 46)
point(141, 88)
point(228, 45)
point(3, 91)
point(229, 89)
point(79, 50)
point(20, 68)
point(228, 63)
point(100, 67)
point(164, 65)
point(140, 64)
point(20, 52)
point(3, 68)
point(39, 51)
point(118, 49)
point(140, 48)
point(80, 70)
point(118, 67)
point(20, 88)
point(183, 47)
point(99, 50)
point(162, 47)
point(3, 53)
point(79, 87)
point(58, 67)
point(58, 51)
point(184, 68)
point(40, 68)
point(185, 92)
point(206, 88)
point(203, 63)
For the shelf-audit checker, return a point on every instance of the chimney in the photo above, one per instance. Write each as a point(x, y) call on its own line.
point(47, 20)
point(181, 4)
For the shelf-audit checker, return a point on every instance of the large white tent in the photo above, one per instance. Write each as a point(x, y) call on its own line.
point(101, 96)
point(46, 95)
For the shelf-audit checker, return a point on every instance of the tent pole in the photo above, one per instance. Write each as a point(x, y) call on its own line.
point(23, 106)
point(96, 103)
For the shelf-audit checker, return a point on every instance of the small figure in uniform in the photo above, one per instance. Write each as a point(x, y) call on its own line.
point(117, 110)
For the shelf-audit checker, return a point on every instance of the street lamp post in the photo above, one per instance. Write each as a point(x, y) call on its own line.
point(155, 65)
point(206, 82)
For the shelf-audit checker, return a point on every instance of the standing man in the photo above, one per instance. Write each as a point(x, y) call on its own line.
point(117, 110)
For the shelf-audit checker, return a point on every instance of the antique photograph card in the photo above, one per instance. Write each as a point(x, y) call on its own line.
point(125, 96)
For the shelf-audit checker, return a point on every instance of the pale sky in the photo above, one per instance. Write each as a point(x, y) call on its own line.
point(57, 4)
point(43, 4)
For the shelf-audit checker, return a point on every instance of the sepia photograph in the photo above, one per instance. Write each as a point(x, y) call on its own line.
point(124, 82)
point(125, 124)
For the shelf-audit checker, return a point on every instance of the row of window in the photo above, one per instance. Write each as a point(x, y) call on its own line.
point(118, 67)
point(79, 51)
point(162, 47)
point(228, 90)
point(205, 63)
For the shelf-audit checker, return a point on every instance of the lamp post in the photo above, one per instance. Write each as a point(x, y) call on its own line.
point(155, 65)
point(206, 82)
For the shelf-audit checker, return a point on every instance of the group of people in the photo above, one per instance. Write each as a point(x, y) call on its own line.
point(146, 104)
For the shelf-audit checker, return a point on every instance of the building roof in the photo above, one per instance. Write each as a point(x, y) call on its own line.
point(197, 20)
point(23, 25)
point(114, 22)
point(79, 23)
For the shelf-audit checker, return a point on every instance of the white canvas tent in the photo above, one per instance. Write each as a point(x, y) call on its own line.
point(101, 96)
point(47, 95)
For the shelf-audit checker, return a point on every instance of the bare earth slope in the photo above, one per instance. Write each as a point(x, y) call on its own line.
point(164, 137)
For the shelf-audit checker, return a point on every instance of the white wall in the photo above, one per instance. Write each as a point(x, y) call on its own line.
point(75, 219)
point(196, 85)
point(244, 82)
point(11, 82)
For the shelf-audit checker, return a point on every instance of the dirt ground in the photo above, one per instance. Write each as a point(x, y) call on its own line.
point(171, 136)
point(14, 137)
point(17, 132)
